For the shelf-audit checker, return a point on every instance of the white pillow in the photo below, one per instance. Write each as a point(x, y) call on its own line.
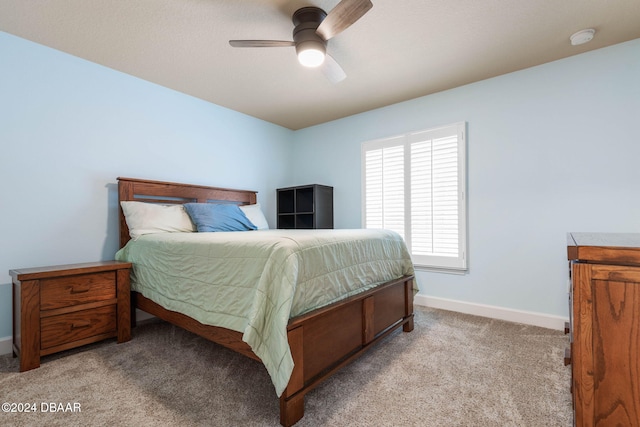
point(255, 215)
point(148, 218)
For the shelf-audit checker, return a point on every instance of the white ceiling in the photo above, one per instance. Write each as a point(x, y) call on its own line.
point(401, 49)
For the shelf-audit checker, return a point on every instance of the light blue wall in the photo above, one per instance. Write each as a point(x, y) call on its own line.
point(551, 149)
point(69, 128)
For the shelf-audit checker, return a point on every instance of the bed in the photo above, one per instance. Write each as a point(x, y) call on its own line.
point(319, 338)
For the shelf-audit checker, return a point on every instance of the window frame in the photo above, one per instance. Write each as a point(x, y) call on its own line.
point(457, 263)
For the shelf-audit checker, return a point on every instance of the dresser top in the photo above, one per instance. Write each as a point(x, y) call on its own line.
point(620, 240)
point(623, 248)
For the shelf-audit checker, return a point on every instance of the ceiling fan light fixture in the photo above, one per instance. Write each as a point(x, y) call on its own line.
point(313, 27)
point(311, 57)
point(311, 54)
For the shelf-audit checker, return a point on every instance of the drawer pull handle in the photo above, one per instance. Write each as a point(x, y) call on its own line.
point(82, 325)
point(79, 291)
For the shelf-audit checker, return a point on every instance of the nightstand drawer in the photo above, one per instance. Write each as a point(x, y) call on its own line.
point(75, 290)
point(66, 328)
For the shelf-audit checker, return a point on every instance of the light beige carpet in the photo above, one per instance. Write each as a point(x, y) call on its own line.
point(452, 370)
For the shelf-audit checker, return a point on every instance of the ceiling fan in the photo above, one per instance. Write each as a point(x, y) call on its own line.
point(313, 27)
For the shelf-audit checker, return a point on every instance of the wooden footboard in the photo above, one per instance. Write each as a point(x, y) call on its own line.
point(322, 341)
point(327, 339)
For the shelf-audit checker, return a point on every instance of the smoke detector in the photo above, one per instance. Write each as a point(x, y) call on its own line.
point(582, 37)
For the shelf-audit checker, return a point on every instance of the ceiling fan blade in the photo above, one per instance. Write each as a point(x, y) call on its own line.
point(342, 16)
point(260, 43)
point(332, 70)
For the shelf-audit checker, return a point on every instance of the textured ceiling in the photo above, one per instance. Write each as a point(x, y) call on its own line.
point(401, 49)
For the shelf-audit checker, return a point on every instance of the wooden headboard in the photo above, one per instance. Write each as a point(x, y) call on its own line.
point(143, 190)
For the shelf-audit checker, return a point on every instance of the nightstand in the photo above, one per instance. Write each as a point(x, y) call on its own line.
point(61, 307)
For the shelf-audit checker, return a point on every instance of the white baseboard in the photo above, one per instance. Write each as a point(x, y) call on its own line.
point(6, 346)
point(518, 316)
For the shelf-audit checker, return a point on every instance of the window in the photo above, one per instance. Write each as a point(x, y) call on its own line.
point(415, 184)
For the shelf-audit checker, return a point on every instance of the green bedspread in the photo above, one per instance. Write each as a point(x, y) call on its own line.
point(253, 282)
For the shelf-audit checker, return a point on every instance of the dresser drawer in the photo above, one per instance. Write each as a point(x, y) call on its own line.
point(66, 328)
point(79, 289)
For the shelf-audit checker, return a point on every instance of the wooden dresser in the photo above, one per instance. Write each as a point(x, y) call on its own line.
point(61, 307)
point(605, 328)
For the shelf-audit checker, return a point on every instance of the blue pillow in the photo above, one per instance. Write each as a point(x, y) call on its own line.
point(218, 217)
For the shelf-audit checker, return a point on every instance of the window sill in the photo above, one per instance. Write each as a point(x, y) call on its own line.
point(431, 269)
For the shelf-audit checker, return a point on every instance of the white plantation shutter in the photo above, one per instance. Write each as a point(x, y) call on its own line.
point(385, 187)
point(415, 185)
